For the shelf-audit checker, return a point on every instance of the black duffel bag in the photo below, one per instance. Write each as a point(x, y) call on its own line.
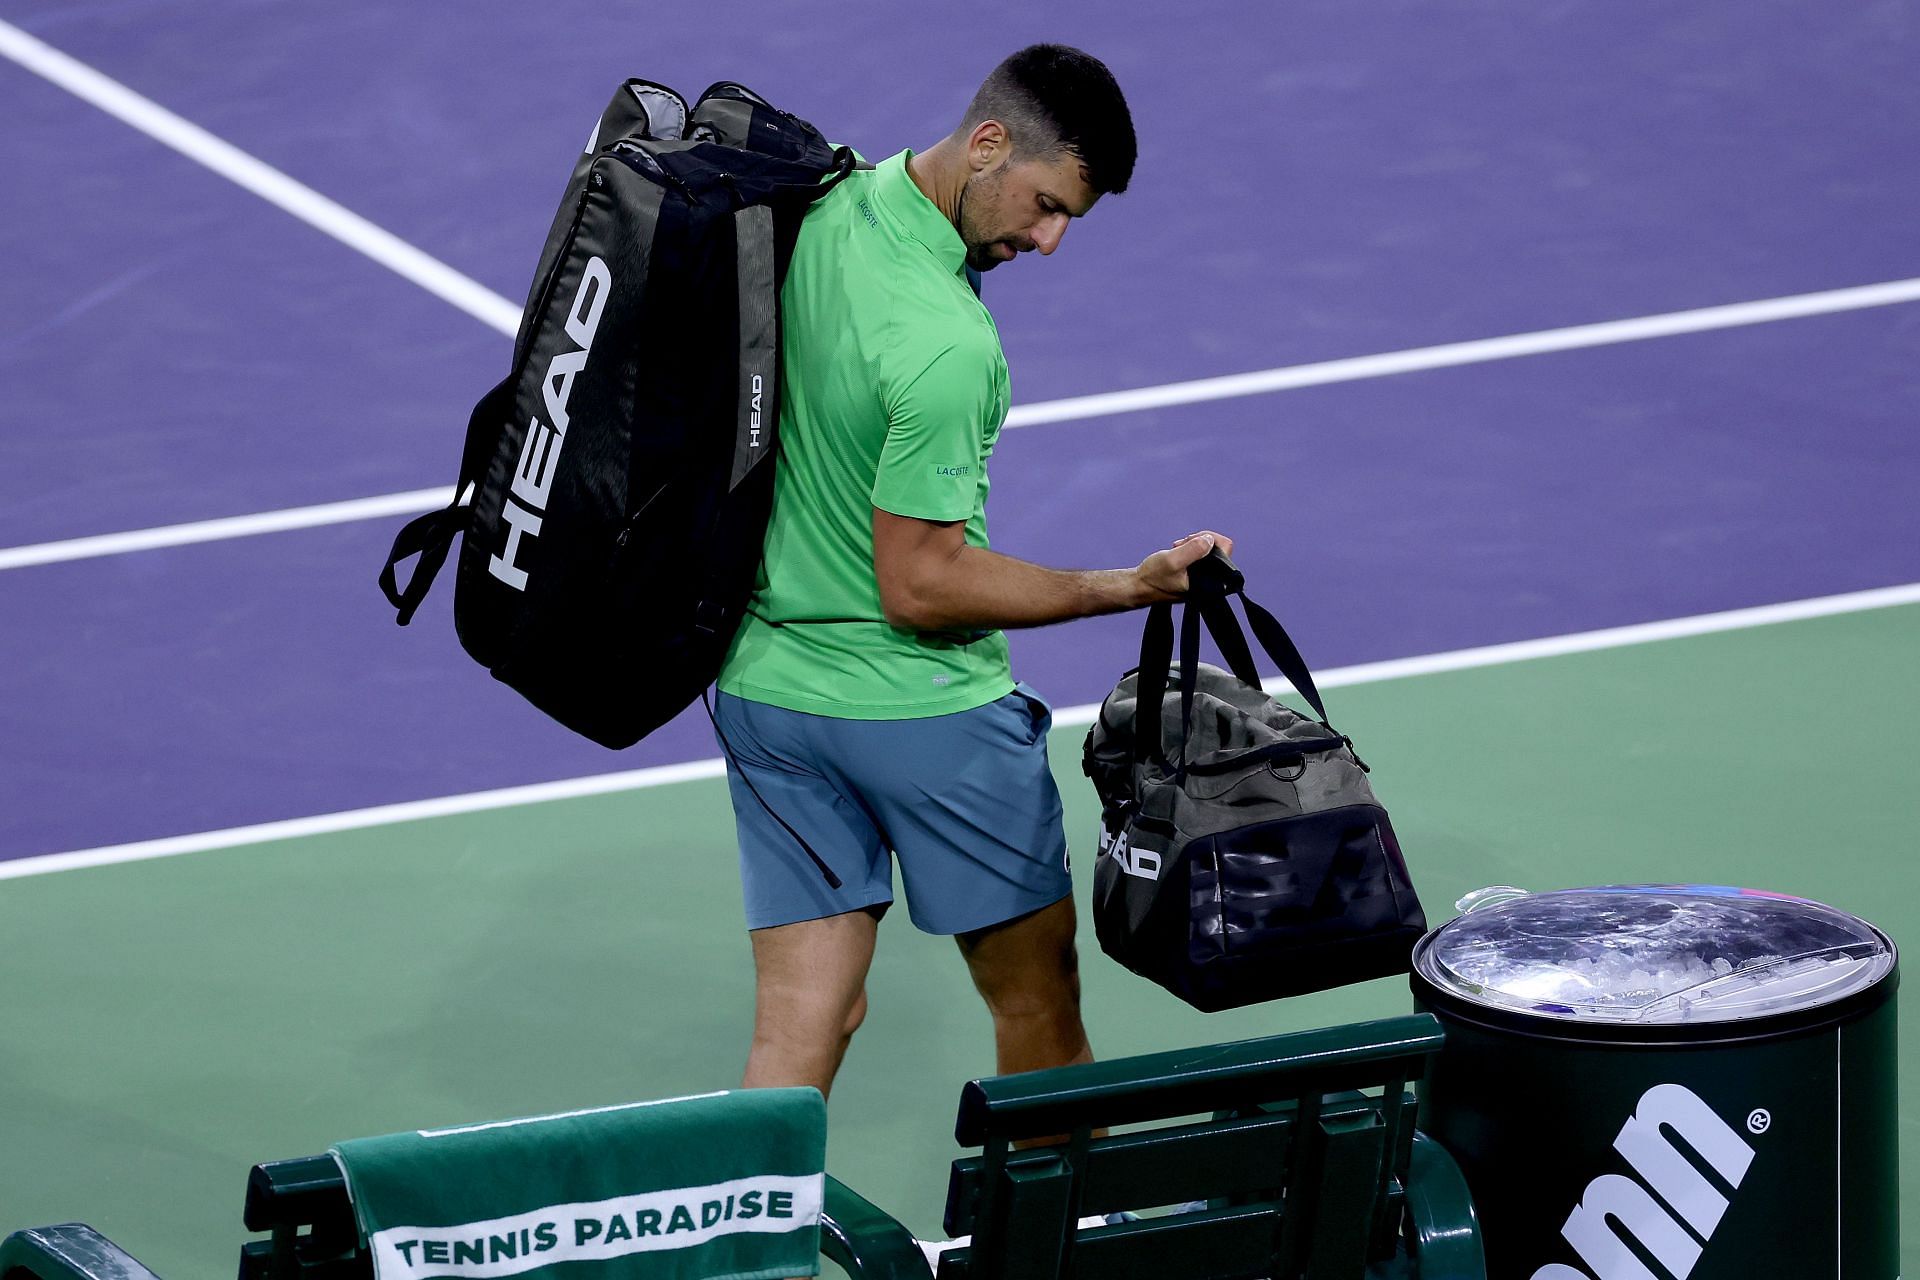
point(1243, 856)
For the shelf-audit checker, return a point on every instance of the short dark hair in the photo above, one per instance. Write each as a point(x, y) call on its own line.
point(1054, 98)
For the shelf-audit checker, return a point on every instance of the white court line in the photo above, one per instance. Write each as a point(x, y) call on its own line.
point(1479, 351)
point(255, 175)
point(436, 277)
point(179, 535)
point(1263, 382)
point(662, 775)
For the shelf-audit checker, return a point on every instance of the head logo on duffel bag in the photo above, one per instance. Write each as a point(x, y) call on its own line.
point(1118, 846)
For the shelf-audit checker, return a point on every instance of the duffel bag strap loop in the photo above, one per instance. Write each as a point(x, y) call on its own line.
point(1212, 578)
point(1280, 647)
point(1156, 660)
point(1190, 619)
point(1150, 683)
point(1210, 581)
point(1226, 633)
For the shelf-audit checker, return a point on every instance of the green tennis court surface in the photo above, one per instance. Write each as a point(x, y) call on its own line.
point(169, 1023)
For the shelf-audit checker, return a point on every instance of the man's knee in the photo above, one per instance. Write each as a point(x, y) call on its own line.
point(794, 1012)
point(811, 985)
point(1034, 981)
point(856, 1015)
point(1045, 991)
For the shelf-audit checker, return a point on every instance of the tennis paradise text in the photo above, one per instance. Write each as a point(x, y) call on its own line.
point(615, 1226)
point(606, 1229)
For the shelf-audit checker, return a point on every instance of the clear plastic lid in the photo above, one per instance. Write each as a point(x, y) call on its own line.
point(1652, 953)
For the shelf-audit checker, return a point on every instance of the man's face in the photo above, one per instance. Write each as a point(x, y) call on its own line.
point(1021, 204)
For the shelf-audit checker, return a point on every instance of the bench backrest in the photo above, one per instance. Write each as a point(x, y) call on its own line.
point(1298, 1143)
point(303, 1204)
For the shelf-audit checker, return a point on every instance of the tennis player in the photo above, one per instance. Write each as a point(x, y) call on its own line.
point(868, 698)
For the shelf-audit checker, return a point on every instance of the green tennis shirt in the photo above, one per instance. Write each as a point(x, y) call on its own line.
point(895, 391)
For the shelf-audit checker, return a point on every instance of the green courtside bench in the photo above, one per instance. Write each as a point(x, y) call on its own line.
point(1292, 1157)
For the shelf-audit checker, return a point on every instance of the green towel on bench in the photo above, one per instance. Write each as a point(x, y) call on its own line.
point(724, 1186)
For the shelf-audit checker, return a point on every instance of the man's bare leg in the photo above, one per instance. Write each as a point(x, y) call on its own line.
point(1027, 972)
point(810, 996)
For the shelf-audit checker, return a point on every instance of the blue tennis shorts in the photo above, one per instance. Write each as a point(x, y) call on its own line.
point(965, 801)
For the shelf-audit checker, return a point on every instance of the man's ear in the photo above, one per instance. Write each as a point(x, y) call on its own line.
point(987, 145)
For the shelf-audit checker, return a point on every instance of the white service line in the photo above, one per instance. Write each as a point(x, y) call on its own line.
point(179, 535)
point(1262, 382)
point(1066, 717)
point(255, 175)
point(1479, 351)
point(356, 819)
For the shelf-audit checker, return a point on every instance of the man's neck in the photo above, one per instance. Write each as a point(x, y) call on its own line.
point(941, 174)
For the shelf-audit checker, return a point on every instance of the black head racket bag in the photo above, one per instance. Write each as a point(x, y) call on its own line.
point(1243, 856)
point(615, 489)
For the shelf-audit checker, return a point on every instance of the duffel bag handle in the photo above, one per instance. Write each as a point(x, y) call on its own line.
point(1210, 581)
point(1219, 579)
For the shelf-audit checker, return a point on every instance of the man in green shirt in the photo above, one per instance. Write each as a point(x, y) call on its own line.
point(867, 702)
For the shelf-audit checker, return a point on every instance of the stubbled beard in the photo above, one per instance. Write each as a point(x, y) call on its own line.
point(979, 252)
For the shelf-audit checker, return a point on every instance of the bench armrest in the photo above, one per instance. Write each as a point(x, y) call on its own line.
point(865, 1241)
point(71, 1251)
point(1446, 1230)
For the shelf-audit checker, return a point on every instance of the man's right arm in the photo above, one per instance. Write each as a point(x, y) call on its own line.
point(930, 577)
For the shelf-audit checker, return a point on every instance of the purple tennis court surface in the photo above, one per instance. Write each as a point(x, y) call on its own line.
point(1315, 182)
